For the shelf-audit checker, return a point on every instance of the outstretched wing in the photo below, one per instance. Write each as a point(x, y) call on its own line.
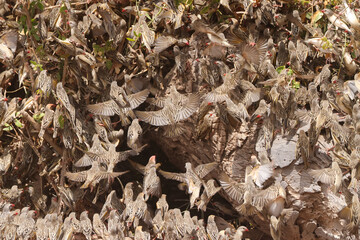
point(108, 108)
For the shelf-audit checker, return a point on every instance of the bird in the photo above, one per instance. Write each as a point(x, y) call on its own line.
point(140, 234)
point(199, 26)
point(134, 135)
point(109, 157)
point(275, 228)
point(42, 232)
point(192, 178)
point(120, 103)
point(163, 42)
point(26, 228)
point(336, 20)
point(162, 205)
point(99, 226)
point(211, 228)
point(46, 120)
point(114, 225)
point(351, 18)
point(76, 36)
point(54, 223)
point(206, 196)
point(175, 107)
point(303, 148)
point(261, 172)
point(331, 176)
point(240, 231)
point(92, 176)
point(86, 225)
point(112, 202)
point(261, 112)
point(65, 101)
point(151, 183)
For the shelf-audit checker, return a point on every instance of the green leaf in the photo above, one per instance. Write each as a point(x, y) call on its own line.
point(108, 64)
point(37, 38)
point(62, 9)
point(7, 127)
point(130, 39)
point(40, 6)
point(147, 15)
point(295, 84)
point(61, 121)
point(38, 116)
point(290, 72)
point(279, 69)
point(308, 15)
point(18, 123)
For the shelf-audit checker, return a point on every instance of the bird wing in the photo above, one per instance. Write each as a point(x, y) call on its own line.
point(216, 96)
point(84, 161)
point(138, 98)
point(163, 42)
point(158, 101)
point(323, 175)
point(263, 197)
point(102, 175)
point(99, 157)
point(76, 177)
point(108, 108)
point(234, 189)
point(155, 118)
point(138, 166)
point(180, 177)
point(188, 107)
point(122, 156)
point(204, 169)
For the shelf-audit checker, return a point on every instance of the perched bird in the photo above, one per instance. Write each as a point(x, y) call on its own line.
point(26, 228)
point(275, 228)
point(134, 135)
point(75, 223)
point(46, 120)
point(140, 234)
point(65, 101)
point(99, 226)
point(76, 36)
point(67, 230)
point(303, 148)
point(211, 228)
point(86, 225)
point(162, 204)
point(42, 232)
point(114, 225)
point(151, 183)
point(53, 224)
point(351, 17)
point(240, 231)
point(11, 194)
